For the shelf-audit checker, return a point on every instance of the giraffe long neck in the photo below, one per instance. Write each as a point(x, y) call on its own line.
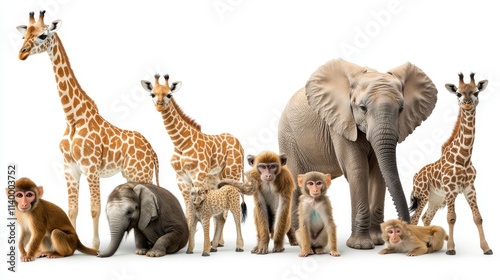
point(182, 130)
point(77, 105)
point(463, 141)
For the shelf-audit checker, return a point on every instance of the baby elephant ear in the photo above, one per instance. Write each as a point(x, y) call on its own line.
point(327, 92)
point(148, 204)
point(419, 94)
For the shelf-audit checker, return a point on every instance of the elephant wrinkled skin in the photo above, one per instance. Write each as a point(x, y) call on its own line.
point(347, 121)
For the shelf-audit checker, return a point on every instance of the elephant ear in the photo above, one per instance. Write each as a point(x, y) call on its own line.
point(148, 204)
point(327, 92)
point(420, 96)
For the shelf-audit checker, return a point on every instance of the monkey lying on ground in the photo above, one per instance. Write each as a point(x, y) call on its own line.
point(413, 240)
point(316, 226)
point(45, 228)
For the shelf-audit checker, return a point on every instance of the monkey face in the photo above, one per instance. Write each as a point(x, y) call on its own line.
point(268, 171)
point(24, 200)
point(315, 187)
point(394, 235)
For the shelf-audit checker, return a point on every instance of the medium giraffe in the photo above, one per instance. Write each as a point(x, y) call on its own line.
point(439, 183)
point(91, 145)
point(199, 160)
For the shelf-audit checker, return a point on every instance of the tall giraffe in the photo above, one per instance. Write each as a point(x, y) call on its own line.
point(440, 183)
point(91, 145)
point(199, 160)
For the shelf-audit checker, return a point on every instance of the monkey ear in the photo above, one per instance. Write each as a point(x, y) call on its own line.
point(251, 159)
point(328, 179)
point(283, 158)
point(40, 191)
point(300, 179)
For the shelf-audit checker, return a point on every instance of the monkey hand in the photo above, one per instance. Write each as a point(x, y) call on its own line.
point(334, 253)
point(260, 250)
point(26, 258)
point(305, 253)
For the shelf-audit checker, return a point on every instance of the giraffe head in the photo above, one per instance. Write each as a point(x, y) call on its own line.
point(467, 94)
point(37, 35)
point(161, 94)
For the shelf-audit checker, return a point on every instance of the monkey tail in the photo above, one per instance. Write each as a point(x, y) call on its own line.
point(243, 212)
point(86, 250)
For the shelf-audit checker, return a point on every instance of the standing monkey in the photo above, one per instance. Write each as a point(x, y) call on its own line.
point(273, 201)
point(316, 226)
point(413, 240)
point(45, 228)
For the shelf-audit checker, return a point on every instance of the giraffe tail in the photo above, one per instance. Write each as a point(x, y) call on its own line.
point(243, 211)
point(157, 169)
point(413, 203)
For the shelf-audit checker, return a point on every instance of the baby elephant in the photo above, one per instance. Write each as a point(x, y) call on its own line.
point(155, 214)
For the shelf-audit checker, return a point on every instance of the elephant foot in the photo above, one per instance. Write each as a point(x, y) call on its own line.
point(360, 242)
point(141, 251)
point(376, 237)
point(155, 253)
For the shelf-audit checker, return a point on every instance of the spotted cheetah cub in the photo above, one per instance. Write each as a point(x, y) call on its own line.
point(210, 203)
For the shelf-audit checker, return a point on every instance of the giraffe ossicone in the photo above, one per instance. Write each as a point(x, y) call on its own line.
point(91, 145)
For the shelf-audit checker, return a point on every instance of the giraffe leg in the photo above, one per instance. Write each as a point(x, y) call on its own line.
point(72, 177)
point(451, 218)
point(95, 207)
point(470, 195)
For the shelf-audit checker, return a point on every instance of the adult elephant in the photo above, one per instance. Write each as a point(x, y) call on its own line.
point(347, 121)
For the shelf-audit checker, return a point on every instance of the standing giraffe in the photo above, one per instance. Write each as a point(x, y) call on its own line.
point(440, 183)
point(91, 145)
point(199, 160)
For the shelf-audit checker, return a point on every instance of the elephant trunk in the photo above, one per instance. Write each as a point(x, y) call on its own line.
point(384, 143)
point(117, 233)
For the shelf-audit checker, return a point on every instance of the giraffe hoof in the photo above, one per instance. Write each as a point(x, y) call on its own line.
point(489, 252)
point(451, 252)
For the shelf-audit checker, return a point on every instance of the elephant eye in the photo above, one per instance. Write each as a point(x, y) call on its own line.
point(363, 108)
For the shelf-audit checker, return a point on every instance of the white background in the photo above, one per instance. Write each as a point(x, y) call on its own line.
point(239, 62)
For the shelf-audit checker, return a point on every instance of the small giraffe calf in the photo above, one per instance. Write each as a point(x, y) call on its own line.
point(210, 203)
point(439, 183)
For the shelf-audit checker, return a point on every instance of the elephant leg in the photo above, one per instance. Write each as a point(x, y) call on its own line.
point(357, 177)
point(376, 191)
point(141, 243)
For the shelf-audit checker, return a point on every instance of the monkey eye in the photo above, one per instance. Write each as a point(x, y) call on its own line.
point(30, 194)
point(19, 194)
point(390, 231)
point(398, 230)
